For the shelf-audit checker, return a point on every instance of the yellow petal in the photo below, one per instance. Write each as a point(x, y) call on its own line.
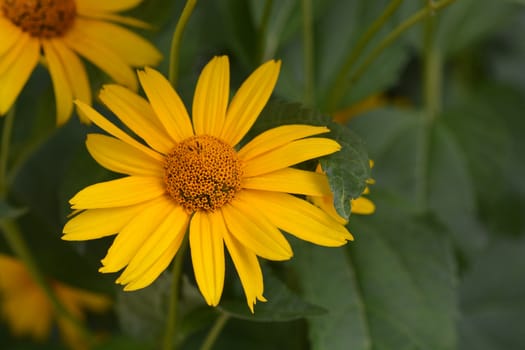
point(112, 17)
point(20, 310)
point(299, 218)
point(104, 5)
point(89, 113)
point(277, 137)
point(118, 193)
point(326, 203)
point(249, 101)
point(132, 48)
point(9, 35)
point(14, 273)
point(15, 77)
point(156, 269)
point(290, 180)
point(171, 231)
point(75, 71)
point(21, 298)
point(80, 298)
point(97, 223)
point(102, 56)
point(134, 234)
point(167, 104)
point(254, 231)
point(248, 268)
point(137, 114)
point(61, 85)
point(211, 97)
point(363, 206)
point(15, 53)
point(290, 154)
point(120, 157)
point(207, 254)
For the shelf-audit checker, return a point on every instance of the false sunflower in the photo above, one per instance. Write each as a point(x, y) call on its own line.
point(57, 32)
point(191, 174)
point(28, 311)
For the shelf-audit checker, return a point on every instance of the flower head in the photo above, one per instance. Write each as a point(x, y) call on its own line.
point(60, 31)
point(28, 311)
point(190, 174)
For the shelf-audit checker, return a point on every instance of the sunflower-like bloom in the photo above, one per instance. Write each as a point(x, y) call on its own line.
point(360, 205)
point(190, 175)
point(28, 311)
point(58, 31)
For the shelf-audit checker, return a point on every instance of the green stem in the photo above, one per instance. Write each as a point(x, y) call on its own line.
point(263, 30)
point(173, 311)
point(393, 36)
point(176, 40)
point(432, 70)
point(432, 86)
point(337, 92)
point(15, 240)
point(4, 151)
point(308, 53)
point(214, 332)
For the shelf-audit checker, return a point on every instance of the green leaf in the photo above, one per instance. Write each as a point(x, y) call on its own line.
point(282, 304)
point(467, 22)
point(391, 136)
point(506, 60)
point(337, 27)
point(392, 288)
point(328, 279)
point(451, 195)
point(427, 167)
point(493, 299)
point(142, 314)
point(347, 169)
point(488, 124)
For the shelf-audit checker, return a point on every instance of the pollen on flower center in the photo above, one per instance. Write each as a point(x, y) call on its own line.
point(41, 18)
point(202, 173)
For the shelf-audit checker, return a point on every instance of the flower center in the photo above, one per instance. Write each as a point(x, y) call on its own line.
point(202, 173)
point(41, 18)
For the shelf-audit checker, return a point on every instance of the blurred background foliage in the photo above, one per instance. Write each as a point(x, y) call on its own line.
point(440, 265)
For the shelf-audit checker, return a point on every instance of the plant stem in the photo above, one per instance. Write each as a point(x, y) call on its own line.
point(176, 40)
point(214, 332)
point(432, 75)
point(394, 35)
point(338, 89)
point(308, 52)
point(4, 150)
point(173, 311)
point(15, 240)
point(263, 29)
point(432, 69)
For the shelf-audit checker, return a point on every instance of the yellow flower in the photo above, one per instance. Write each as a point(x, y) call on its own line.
point(192, 175)
point(360, 205)
point(28, 311)
point(59, 31)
